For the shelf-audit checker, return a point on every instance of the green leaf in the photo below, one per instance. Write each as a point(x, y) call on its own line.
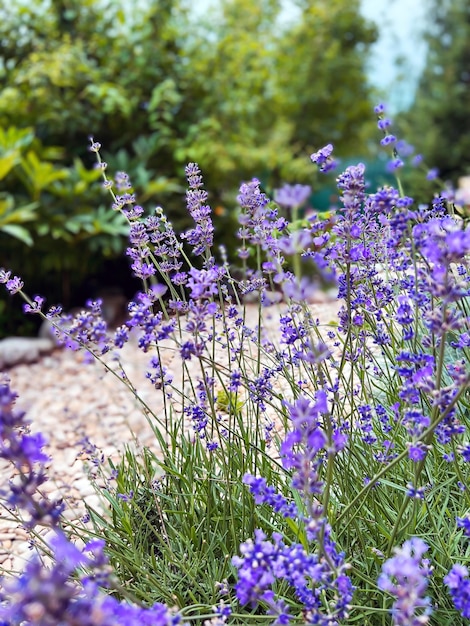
point(8, 162)
point(18, 232)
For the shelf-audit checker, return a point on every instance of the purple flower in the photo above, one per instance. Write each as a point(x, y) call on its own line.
point(303, 447)
point(384, 123)
point(388, 139)
point(263, 562)
point(415, 492)
point(292, 196)
point(202, 235)
point(405, 576)
point(251, 197)
point(352, 185)
point(264, 494)
point(86, 329)
point(121, 336)
point(36, 305)
point(464, 522)
point(442, 241)
point(323, 158)
point(203, 283)
point(47, 596)
point(4, 275)
point(24, 452)
point(459, 588)
point(14, 285)
point(395, 164)
point(417, 451)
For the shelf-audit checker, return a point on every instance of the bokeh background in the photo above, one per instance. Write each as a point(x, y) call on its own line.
point(246, 89)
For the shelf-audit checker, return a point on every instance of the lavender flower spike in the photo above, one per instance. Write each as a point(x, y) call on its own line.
point(292, 196)
point(406, 577)
point(24, 451)
point(323, 158)
point(458, 582)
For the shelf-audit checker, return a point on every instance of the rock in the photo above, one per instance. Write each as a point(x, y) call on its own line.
point(47, 331)
point(84, 487)
point(16, 350)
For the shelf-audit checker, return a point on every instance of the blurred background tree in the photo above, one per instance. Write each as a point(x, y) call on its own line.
point(245, 93)
point(438, 122)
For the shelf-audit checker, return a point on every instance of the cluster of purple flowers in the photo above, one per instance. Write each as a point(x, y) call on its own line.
point(87, 328)
point(405, 576)
point(323, 158)
point(292, 196)
point(458, 583)
point(202, 235)
point(25, 453)
point(49, 596)
point(325, 595)
point(13, 285)
point(317, 576)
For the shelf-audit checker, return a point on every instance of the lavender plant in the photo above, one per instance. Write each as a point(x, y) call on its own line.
point(294, 456)
point(69, 590)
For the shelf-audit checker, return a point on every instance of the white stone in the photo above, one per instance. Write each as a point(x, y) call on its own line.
point(16, 350)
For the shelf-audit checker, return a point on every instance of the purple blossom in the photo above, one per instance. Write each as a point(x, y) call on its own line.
point(264, 494)
point(133, 213)
point(395, 164)
point(464, 451)
point(323, 158)
point(251, 198)
point(264, 561)
point(388, 139)
point(292, 196)
point(458, 582)
point(35, 306)
point(159, 375)
point(405, 311)
point(24, 452)
point(384, 123)
point(405, 576)
point(298, 289)
point(442, 241)
point(366, 424)
point(303, 447)
point(49, 596)
point(464, 522)
point(417, 493)
point(14, 285)
point(202, 235)
point(203, 283)
point(352, 186)
point(121, 336)
point(86, 329)
point(138, 235)
point(404, 148)
point(94, 146)
point(417, 451)
point(258, 220)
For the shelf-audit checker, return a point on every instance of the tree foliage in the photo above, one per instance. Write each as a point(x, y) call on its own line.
point(245, 93)
point(438, 122)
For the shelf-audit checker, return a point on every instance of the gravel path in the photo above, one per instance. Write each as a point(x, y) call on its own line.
point(72, 401)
